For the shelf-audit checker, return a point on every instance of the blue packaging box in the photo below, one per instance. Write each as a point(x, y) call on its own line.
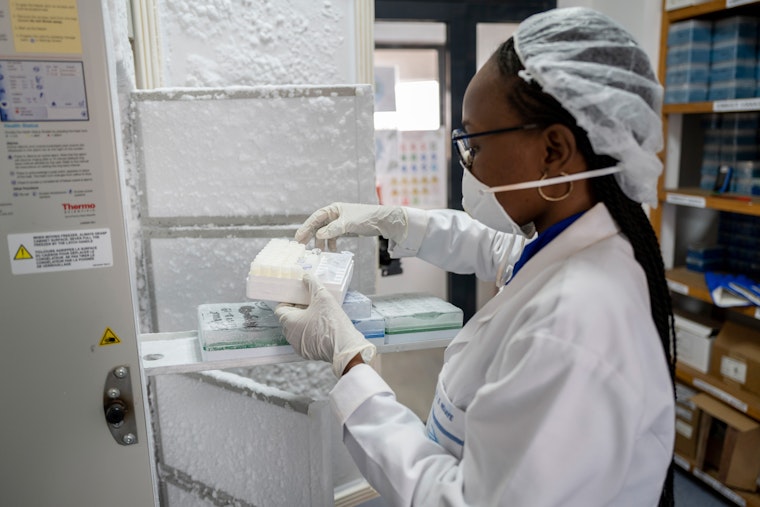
point(688, 54)
point(693, 30)
point(680, 94)
point(739, 121)
point(724, 51)
point(710, 151)
point(734, 89)
point(734, 28)
point(687, 74)
point(733, 69)
point(712, 121)
point(704, 258)
point(738, 138)
point(731, 154)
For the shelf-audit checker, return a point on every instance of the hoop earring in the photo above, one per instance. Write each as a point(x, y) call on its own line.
point(555, 199)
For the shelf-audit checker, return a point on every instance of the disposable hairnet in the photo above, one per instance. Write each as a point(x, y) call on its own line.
point(595, 69)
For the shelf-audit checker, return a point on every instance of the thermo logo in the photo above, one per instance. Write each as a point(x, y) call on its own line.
point(67, 207)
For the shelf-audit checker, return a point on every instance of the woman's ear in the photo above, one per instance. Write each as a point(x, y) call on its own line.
point(560, 149)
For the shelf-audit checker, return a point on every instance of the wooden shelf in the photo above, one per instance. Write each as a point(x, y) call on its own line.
point(730, 394)
point(703, 9)
point(718, 106)
point(692, 284)
point(699, 198)
point(710, 479)
point(688, 108)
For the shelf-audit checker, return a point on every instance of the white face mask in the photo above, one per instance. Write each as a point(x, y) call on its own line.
point(483, 206)
point(479, 200)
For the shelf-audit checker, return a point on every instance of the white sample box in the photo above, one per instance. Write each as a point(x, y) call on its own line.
point(276, 273)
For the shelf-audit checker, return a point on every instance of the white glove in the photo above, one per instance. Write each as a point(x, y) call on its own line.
point(340, 218)
point(322, 330)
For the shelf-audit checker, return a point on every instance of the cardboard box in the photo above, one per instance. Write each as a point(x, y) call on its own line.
point(687, 422)
point(736, 356)
point(728, 443)
point(694, 339)
point(687, 436)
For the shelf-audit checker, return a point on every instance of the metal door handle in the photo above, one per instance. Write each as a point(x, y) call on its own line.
point(118, 406)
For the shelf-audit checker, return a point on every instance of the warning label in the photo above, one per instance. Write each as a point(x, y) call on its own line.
point(109, 338)
point(60, 251)
point(22, 253)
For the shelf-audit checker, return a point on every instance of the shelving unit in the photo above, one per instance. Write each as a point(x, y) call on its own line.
point(671, 194)
point(678, 197)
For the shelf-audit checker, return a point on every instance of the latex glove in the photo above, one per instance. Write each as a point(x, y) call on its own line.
point(322, 330)
point(340, 218)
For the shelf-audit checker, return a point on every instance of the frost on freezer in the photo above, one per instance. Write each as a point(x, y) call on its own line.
point(223, 43)
point(254, 156)
point(218, 429)
point(188, 272)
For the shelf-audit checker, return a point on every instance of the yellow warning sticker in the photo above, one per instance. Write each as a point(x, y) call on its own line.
point(22, 253)
point(46, 27)
point(109, 338)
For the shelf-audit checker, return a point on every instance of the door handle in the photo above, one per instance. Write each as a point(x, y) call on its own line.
point(118, 406)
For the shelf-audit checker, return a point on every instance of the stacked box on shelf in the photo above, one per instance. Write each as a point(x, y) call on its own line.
point(740, 237)
point(746, 178)
point(710, 150)
point(416, 317)
point(695, 335)
point(701, 257)
point(688, 61)
point(687, 422)
point(733, 56)
point(757, 71)
point(234, 330)
point(251, 329)
point(738, 141)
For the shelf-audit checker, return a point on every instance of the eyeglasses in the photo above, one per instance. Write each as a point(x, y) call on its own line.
point(460, 138)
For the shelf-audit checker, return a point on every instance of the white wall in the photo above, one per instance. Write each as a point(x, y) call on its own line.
point(488, 37)
point(641, 18)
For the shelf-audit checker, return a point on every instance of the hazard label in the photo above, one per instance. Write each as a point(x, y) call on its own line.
point(60, 251)
point(22, 253)
point(109, 338)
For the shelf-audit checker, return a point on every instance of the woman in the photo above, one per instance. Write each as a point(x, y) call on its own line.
point(559, 391)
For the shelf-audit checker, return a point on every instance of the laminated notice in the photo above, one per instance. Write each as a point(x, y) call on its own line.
point(733, 369)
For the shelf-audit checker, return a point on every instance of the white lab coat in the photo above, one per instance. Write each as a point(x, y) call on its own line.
point(561, 377)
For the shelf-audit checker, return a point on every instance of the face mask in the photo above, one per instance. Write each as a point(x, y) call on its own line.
point(479, 200)
point(483, 206)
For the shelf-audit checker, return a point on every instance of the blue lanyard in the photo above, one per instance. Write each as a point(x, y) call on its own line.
point(542, 240)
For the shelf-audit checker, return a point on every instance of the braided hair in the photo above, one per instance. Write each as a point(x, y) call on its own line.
point(535, 106)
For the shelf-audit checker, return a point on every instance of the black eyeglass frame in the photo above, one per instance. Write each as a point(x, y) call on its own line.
point(459, 138)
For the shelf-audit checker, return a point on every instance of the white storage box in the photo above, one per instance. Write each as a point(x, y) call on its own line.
point(277, 272)
point(413, 317)
point(694, 341)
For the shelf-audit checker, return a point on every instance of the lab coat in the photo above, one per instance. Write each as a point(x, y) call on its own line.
point(561, 378)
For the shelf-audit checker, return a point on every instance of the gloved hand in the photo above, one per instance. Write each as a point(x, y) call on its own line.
point(322, 330)
point(363, 219)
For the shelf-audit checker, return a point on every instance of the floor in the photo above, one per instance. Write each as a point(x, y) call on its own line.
point(689, 492)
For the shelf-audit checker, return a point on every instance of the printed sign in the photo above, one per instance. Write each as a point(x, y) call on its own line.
point(686, 200)
point(46, 26)
point(60, 251)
